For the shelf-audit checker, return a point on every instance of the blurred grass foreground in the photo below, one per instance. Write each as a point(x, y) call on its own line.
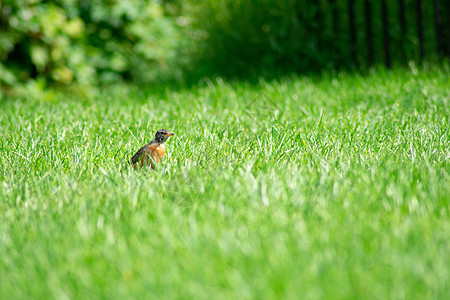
point(325, 188)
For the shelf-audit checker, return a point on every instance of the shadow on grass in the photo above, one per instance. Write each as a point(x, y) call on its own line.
point(197, 81)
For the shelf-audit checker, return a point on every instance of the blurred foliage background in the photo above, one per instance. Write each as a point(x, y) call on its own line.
point(85, 41)
point(91, 42)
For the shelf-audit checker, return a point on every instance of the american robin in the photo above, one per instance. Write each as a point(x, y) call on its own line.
point(153, 152)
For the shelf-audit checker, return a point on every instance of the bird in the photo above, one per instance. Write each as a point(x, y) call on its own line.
point(153, 152)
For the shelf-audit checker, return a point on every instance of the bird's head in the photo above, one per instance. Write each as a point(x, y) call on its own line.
point(162, 135)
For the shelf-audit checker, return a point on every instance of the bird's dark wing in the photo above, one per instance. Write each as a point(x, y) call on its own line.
point(140, 152)
point(138, 155)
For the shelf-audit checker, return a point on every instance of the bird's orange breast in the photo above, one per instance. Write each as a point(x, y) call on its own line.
point(156, 152)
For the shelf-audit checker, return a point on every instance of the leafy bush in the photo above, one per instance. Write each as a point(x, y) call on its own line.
point(83, 41)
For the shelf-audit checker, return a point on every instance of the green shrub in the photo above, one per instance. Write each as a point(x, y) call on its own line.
point(87, 42)
point(237, 36)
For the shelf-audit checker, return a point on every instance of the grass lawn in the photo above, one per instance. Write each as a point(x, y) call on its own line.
point(325, 187)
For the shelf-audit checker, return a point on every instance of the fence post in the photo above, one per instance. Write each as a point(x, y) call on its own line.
point(402, 19)
point(351, 22)
point(384, 13)
point(420, 28)
point(368, 25)
point(446, 29)
point(438, 28)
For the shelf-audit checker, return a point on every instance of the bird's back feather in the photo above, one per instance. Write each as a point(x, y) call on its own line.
point(136, 157)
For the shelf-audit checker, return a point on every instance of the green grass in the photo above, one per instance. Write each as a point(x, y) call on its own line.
point(325, 187)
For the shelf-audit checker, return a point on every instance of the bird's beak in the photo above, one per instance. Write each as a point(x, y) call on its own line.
point(169, 134)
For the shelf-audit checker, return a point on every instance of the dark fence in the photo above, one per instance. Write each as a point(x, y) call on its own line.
point(306, 36)
point(394, 27)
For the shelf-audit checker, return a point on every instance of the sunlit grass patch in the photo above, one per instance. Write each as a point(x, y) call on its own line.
point(332, 187)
